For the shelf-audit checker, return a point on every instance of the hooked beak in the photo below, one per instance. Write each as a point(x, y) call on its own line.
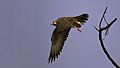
point(52, 23)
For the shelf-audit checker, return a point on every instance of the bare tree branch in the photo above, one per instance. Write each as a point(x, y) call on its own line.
point(100, 30)
point(103, 17)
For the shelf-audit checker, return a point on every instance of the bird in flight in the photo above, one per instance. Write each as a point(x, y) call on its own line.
point(61, 32)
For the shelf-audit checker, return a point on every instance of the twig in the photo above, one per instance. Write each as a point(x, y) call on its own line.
point(103, 16)
point(107, 30)
point(100, 38)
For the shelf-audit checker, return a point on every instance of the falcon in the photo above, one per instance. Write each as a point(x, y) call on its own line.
point(61, 32)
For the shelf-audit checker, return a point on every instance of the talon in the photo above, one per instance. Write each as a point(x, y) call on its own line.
point(79, 30)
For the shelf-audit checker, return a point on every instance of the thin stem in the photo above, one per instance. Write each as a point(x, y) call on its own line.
point(109, 25)
point(102, 17)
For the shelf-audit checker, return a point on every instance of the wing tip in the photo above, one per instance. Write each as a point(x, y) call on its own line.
point(82, 17)
point(51, 59)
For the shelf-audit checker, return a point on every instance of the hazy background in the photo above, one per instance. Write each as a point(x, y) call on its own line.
point(25, 33)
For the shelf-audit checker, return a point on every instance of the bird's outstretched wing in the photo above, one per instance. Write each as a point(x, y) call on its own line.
point(58, 39)
point(82, 18)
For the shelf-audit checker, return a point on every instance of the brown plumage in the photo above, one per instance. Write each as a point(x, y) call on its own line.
point(61, 32)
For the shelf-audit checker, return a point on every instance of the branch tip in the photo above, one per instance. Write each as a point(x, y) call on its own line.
point(96, 28)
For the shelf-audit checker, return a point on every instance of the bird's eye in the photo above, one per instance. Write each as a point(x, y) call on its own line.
point(54, 23)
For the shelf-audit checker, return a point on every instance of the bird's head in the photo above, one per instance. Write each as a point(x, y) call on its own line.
point(54, 23)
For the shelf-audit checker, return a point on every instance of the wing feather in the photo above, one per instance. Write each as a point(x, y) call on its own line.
point(64, 23)
point(82, 18)
point(58, 39)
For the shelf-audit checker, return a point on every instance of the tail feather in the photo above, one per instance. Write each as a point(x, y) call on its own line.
point(82, 18)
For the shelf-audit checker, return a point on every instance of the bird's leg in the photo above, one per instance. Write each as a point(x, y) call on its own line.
point(79, 29)
point(79, 23)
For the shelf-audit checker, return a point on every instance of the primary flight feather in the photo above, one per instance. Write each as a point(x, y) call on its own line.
point(61, 32)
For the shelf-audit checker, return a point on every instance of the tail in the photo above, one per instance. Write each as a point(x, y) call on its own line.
point(82, 18)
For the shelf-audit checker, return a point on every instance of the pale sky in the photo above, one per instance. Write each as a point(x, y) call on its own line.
point(25, 33)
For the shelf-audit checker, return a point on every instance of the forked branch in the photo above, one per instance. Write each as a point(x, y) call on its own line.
point(100, 30)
